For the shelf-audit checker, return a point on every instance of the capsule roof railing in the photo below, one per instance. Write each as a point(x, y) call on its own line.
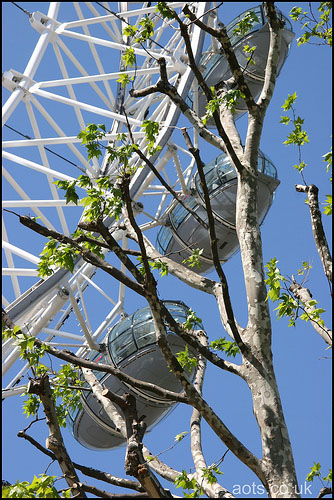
point(220, 171)
point(210, 58)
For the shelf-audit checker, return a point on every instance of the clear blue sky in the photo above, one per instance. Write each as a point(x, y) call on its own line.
point(302, 364)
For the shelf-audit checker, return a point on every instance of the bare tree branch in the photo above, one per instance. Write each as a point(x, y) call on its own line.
point(324, 491)
point(305, 296)
point(87, 255)
point(213, 243)
point(210, 489)
point(105, 494)
point(54, 441)
point(88, 471)
point(318, 229)
point(135, 464)
point(164, 183)
point(166, 88)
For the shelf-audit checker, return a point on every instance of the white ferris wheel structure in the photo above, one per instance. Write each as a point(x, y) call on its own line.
point(71, 80)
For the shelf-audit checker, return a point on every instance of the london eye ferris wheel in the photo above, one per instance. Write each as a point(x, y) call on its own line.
point(71, 80)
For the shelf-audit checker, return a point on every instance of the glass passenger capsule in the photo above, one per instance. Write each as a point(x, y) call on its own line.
point(215, 67)
point(182, 234)
point(131, 346)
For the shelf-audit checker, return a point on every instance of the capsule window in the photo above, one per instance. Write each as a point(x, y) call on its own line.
point(122, 346)
point(235, 38)
point(179, 213)
point(144, 334)
point(178, 312)
point(163, 239)
point(121, 327)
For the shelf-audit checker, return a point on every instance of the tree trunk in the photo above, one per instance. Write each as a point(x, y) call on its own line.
point(277, 460)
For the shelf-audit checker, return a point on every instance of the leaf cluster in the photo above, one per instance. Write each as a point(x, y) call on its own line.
point(129, 57)
point(64, 395)
point(287, 305)
point(230, 348)
point(90, 137)
point(209, 473)
point(185, 360)
point(316, 472)
point(298, 136)
point(249, 53)
point(56, 254)
point(319, 29)
point(194, 259)
point(180, 436)
point(246, 24)
point(192, 320)
point(151, 129)
point(40, 487)
point(164, 10)
point(194, 489)
point(159, 265)
point(229, 100)
point(28, 350)
point(140, 35)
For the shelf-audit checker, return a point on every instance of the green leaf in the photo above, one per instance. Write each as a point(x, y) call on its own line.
point(300, 167)
point(129, 56)
point(208, 473)
point(287, 306)
point(124, 79)
point(328, 477)
point(273, 280)
point(295, 12)
point(289, 101)
point(230, 348)
point(31, 405)
point(249, 53)
point(161, 266)
point(151, 129)
point(194, 259)
point(246, 24)
point(315, 472)
point(285, 120)
point(180, 436)
point(164, 10)
point(130, 30)
point(191, 321)
point(328, 206)
point(185, 483)
point(186, 361)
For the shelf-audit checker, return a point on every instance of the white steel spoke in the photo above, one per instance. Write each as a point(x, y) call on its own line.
point(35, 166)
point(81, 122)
point(114, 33)
point(99, 65)
point(84, 74)
point(60, 132)
point(58, 140)
point(10, 261)
point(82, 105)
point(17, 271)
point(112, 45)
point(21, 253)
point(45, 161)
point(83, 305)
point(26, 202)
point(102, 292)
